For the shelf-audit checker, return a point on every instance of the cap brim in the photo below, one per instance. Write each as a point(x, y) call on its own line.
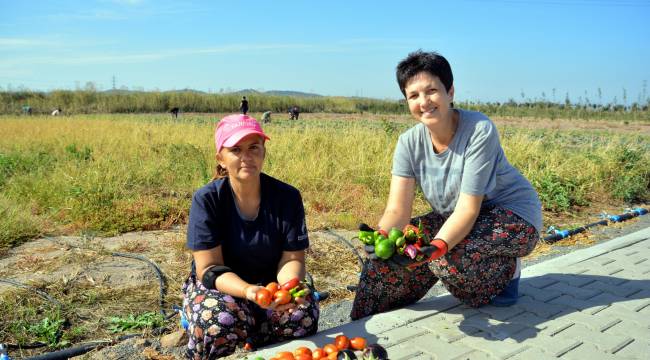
point(234, 139)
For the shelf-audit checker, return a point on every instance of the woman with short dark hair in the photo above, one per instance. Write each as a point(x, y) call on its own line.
point(485, 214)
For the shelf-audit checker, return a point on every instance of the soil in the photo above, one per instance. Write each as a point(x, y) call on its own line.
point(79, 261)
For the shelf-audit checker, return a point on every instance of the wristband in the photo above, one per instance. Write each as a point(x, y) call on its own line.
point(211, 275)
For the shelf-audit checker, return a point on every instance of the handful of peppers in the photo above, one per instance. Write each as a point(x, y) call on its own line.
point(408, 247)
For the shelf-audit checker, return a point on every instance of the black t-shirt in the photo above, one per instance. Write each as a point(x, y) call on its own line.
point(251, 248)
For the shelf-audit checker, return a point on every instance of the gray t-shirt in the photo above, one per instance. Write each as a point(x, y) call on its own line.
point(474, 164)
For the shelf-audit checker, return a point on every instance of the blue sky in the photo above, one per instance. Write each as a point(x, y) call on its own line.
point(520, 49)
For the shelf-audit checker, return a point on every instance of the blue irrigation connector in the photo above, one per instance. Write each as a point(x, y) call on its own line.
point(3, 353)
point(184, 323)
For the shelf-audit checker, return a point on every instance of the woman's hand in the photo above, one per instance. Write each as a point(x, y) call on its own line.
point(250, 292)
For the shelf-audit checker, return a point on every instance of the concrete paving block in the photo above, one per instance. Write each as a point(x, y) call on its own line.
point(498, 348)
point(620, 312)
point(638, 349)
point(445, 330)
point(497, 329)
point(555, 346)
point(539, 308)
point(605, 342)
point(476, 355)
point(593, 322)
point(543, 295)
point(437, 348)
point(576, 292)
point(580, 305)
point(630, 273)
point(571, 278)
point(501, 313)
point(626, 328)
point(539, 282)
point(532, 354)
point(604, 275)
point(425, 308)
point(531, 320)
point(459, 313)
point(618, 290)
point(399, 335)
point(636, 302)
point(588, 351)
point(399, 352)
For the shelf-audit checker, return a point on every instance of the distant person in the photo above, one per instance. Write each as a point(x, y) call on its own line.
point(266, 117)
point(243, 106)
point(294, 112)
point(27, 110)
point(245, 228)
point(485, 214)
point(56, 112)
point(174, 111)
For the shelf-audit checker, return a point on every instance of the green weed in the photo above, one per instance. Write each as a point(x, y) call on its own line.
point(148, 320)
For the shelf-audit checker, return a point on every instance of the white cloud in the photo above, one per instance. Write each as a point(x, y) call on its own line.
point(14, 43)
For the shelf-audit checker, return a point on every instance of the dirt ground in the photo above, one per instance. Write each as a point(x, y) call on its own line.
point(78, 262)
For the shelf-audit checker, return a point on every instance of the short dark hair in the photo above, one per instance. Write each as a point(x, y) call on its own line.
point(420, 61)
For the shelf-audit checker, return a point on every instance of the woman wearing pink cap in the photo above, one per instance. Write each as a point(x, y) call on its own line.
point(246, 229)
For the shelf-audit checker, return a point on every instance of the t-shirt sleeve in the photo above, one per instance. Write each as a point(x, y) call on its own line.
point(296, 228)
point(402, 162)
point(202, 228)
point(481, 157)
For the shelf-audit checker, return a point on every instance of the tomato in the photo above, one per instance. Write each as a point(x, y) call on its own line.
point(318, 353)
point(263, 297)
point(290, 284)
point(304, 357)
point(285, 355)
point(330, 348)
point(358, 343)
point(272, 287)
point(333, 356)
point(282, 297)
point(302, 350)
point(342, 342)
point(248, 346)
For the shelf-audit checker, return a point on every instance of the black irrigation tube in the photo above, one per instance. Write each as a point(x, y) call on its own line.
point(348, 244)
point(563, 234)
point(84, 348)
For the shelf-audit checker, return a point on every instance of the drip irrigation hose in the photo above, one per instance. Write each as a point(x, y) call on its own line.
point(84, 348)
point(348, 244)
point(159, 274)
point(563, 234)
point(42, 294)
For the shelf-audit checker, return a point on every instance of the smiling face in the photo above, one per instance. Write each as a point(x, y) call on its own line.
point(428, 100)
point(244, 160)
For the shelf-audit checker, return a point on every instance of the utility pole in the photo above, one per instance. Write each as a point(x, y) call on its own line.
point(113, 82)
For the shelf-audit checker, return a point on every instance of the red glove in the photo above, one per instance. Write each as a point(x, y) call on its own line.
point(435, 249)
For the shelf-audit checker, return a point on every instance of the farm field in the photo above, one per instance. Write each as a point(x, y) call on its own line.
point(84, 180)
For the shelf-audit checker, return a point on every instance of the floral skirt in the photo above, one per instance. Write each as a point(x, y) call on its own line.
point(474, 271)
point(218, 322)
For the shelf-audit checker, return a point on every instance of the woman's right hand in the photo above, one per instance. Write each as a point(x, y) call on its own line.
point(251, 292)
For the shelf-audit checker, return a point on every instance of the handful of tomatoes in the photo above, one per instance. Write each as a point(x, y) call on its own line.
point(342, 348)
point(291, 291)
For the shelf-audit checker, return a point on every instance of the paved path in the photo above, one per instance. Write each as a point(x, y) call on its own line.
point(591, 304)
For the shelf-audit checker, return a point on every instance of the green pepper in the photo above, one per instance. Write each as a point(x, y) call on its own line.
point(367, 237)
point(294, 290)
point(400, 241)
point(302, 293)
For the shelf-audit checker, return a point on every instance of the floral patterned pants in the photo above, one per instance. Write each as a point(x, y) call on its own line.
point(220, 322)
point(474, 271)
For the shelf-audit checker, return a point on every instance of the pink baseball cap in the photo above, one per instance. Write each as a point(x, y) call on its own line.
point(233, 128)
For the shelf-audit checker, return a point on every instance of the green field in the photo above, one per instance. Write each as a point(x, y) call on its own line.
point(107, 174)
